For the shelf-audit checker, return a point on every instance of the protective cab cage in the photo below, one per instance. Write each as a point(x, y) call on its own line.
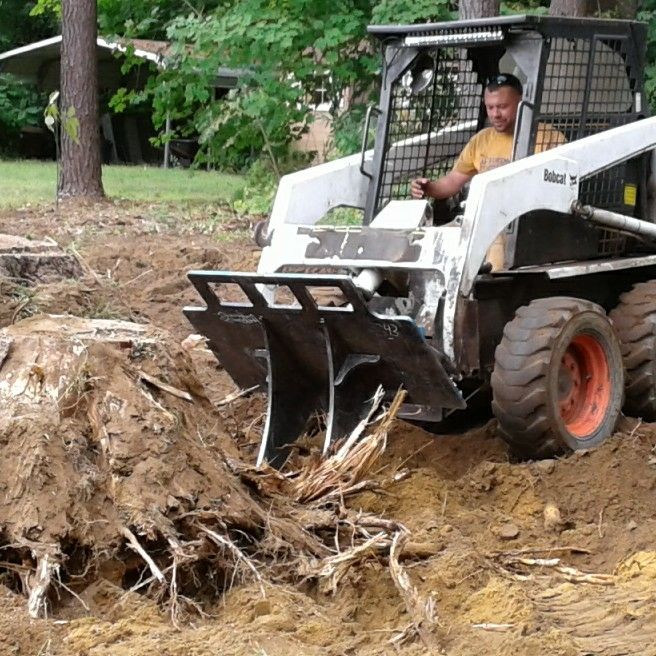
point(580, 77)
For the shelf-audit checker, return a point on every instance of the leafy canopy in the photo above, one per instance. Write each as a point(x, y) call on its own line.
point(17, 27)
point(20, 105)
point(288, 52)
point(647, 14)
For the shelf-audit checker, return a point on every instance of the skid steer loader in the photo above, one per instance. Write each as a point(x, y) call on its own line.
point(564, 333)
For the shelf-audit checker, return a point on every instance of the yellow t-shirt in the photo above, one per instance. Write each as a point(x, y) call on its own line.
point(489, 149)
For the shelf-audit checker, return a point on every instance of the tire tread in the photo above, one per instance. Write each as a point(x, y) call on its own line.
point(634, 319)
point(519, 380)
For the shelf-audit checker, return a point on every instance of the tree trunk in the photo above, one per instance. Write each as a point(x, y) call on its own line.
point(478, 8)
point(568, 8)
point(81, 173)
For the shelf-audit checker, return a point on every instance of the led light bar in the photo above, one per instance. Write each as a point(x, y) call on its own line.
point(494, 35)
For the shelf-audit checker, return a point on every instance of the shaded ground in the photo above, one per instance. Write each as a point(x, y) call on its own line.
point(556, 557)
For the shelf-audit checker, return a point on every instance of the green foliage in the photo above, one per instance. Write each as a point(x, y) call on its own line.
point(20, 105)
point(258, 192)
point(537, 7)
point(347, 131)
point(647, 14)
point(133, 18)
point(269, 41)
point(236, 131)
point(148, 18)
point(45, 7)
point(342, 216)
point(18, 28)
point(67, 119)
point(386, 12)
point(51, 112)
point(71, 124)
point(286, 51)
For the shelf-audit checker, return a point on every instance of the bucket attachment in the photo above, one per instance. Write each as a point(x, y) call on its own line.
point(313, 357)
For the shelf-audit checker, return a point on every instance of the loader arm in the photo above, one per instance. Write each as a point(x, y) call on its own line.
point(548, 180)
point(450, 256)
point(306, 196)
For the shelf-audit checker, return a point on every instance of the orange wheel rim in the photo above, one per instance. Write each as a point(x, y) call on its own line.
point(584, 388)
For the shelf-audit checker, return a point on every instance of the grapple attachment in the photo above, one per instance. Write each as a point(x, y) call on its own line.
point(314, 357)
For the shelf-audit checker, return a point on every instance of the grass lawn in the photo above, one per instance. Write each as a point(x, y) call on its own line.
point(23, 182)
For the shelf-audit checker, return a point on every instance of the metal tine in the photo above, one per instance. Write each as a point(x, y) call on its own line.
point(253, 293)
point(347, 398)
point(351, 404)
point(352, 295)
point(293, 396)
point(330, 409)
point(201, 283)
point(303, 296)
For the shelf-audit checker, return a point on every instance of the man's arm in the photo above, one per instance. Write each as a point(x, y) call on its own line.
point(444, 187)
point(547, 138)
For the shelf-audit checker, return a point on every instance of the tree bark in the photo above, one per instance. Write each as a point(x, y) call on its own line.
point(81, 173)
point(478, 8)
point(568, 8)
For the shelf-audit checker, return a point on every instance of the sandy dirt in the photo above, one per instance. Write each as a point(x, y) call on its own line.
point(116, 427)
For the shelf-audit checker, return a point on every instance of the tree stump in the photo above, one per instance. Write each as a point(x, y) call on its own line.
point(105, 433)
point(35, 260)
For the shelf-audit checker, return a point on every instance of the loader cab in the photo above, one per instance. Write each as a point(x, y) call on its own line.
point(580, 77)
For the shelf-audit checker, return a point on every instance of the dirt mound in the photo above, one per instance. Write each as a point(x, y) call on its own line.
point(506, 577)
point(134, 258)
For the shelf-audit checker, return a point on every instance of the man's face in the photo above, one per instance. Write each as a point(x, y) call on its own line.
point(501, 106)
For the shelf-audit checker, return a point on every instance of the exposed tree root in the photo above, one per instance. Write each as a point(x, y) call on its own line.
point(105, 426)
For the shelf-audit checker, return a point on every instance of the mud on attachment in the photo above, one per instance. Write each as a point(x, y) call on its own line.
point(311, 356)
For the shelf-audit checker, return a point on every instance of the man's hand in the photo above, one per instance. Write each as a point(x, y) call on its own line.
point(417, 188)
point(444, 187)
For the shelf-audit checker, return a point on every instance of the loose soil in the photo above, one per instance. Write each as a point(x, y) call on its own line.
point(115, 426)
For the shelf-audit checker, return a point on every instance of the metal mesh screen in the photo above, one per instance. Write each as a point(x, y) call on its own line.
point(588, 88)
point(434, 110)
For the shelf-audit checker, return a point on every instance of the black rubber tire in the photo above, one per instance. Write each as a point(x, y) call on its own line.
point(526, 375)
point(634, 319)
point(260, 233)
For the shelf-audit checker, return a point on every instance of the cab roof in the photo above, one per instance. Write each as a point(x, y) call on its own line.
point(548, 25)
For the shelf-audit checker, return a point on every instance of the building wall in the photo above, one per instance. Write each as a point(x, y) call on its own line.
point(317, 138)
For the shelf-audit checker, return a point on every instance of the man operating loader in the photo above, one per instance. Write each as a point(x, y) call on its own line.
point(488, 149)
